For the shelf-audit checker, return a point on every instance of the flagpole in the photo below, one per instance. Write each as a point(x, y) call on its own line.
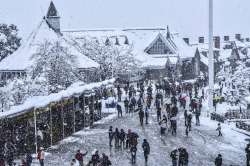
point(211, 58)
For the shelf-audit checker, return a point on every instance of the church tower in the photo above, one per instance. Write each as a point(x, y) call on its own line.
point(53, 18)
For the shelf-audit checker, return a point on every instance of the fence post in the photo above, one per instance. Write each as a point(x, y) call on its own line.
point(34, 111)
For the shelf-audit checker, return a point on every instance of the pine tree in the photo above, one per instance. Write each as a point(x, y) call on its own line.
point(9, 40)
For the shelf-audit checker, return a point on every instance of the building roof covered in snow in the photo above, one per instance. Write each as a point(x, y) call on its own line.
point(145, 41)
point(22, 58)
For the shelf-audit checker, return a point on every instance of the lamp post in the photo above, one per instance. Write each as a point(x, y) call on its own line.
point(211, 58)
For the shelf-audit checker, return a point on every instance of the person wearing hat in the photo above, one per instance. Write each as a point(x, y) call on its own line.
point(41, 156)
point(218, 160)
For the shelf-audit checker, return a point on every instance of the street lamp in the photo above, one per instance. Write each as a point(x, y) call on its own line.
point(211, 58)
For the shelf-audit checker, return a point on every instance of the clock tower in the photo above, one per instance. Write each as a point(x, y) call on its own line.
point(53, 18)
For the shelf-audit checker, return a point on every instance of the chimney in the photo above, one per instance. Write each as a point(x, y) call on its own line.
point(186, 40)
point(238, 36)
point(217, 42)
point(201, 39)
point(53, 18)
point(168, 33)
point(226, 38)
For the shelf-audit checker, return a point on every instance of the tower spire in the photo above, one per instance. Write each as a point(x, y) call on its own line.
point(53, 18)
point(52, 12)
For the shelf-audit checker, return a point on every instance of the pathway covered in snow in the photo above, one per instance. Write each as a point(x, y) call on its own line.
point(203, 145)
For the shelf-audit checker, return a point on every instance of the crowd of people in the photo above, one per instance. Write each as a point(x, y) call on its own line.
point(168, 101)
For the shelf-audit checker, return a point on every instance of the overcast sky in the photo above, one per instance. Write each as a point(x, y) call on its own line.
point(188, 17)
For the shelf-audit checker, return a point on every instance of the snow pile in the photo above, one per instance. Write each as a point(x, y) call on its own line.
point(42, 101)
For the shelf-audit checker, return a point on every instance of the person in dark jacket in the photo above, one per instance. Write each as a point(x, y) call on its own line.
point(247, 150)
point(146, 114)
point(126, 102)
point(29, 159)
point(146, 149)
point(158, 114)
point(122, 137)
point(174, 157)
point(111, 135)
point(105, 160)
point(116, 136)
point(95, 159)
point(218, 160)
point(141, 116)
point(219, 130)
point(119, 110)
point(185, 117)
point(133, 151)
point(189, 121)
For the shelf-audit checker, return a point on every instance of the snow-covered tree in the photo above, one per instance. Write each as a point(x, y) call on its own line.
point(112, 57)
point(54, 64)
point(9, 40)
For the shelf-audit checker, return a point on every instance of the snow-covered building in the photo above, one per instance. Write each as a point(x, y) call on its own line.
point(160, 51)
point(18, 63)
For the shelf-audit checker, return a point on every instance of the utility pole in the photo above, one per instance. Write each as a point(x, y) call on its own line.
point(211, 58)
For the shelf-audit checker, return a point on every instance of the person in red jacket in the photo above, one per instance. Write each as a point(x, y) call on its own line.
point(79, 157)
point(41, 156)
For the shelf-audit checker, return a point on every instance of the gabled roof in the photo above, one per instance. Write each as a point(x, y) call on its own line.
point(21, 59)
point(167, 41)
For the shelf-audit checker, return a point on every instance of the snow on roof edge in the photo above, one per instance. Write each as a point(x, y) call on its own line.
point(42, 101)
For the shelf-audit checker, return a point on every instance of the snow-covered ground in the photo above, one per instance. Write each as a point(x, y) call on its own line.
point(202, 144)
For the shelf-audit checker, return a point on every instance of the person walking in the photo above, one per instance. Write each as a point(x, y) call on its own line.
point(95, 159)
point(219, 130)
point(218, 160)
point(111, 135)
point(133, 151)
point(141, 116)
point(122, 139)
point(146, 114)
point(119, 110)
point(29, 159)
point(128, 139)
point(126, 102)
point(189, 120)
point(173, 123)
point(146, 149)
point(9, 150)
point(185, 117)
point(41, 156)
point(174, 157)
point(116, 136)
point(79, 157)
point(105, 160)
point(158, 114)
point(185, 154)
point(247, 150)
point(197, 116)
